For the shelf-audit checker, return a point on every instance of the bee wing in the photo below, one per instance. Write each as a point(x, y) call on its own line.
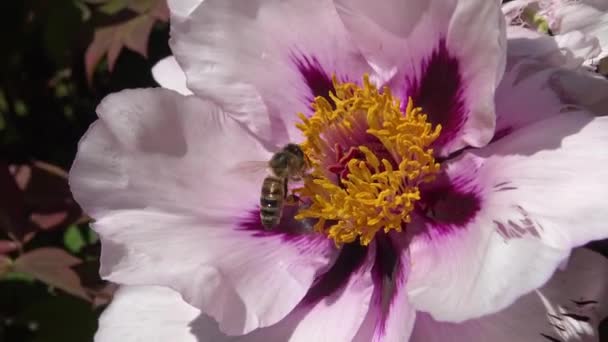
point(251, 169)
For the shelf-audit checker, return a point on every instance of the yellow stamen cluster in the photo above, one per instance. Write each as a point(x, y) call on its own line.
point(377, 194)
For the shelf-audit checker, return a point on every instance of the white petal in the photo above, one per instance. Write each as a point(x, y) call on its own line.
point(590, 18)
point(264, 61)
point(568, 50)
point(446, 51)
point(146, 314)
point(170, 76)
point(580, 291)
point(556, 168)
point(154, 172)
point(537, 193)
point(582, 46)
point(182, 8)
point(536, 64)
point(155, 148)
point(526, 93)
point(582, 88)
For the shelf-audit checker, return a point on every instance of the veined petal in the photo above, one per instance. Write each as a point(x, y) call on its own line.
point(390, 317)
point(265, 61)
point(333, 309)
point(568, 308)
point(170, 76)
point(450, 56)
point(154, 172)
point(515, 210)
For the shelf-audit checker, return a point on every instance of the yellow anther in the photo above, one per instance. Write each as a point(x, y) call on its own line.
point(379, 191)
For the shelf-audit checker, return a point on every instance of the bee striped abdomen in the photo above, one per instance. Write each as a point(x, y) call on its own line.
point(271, 201)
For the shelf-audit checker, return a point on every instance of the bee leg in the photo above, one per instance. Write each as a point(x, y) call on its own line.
point(292, 199)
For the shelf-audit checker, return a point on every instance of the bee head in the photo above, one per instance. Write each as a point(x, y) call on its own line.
point(288, 161)
point(295, 150)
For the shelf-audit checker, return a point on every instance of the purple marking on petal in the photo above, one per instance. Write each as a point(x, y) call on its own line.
point(450, 203)
point(351, 258)
point(316, 78)
point(520, 225)
point(439, 92)
point(386, 274)
point(550, 338)
point(386, 258)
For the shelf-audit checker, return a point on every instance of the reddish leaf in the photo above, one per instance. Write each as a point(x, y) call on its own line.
point(7, 246)
point(161, 10)
point(48, 221)
point(50, 168)
point(110, 40)
point(22, 175)
point(47, 198)
point(53, 267)
point(103, 295)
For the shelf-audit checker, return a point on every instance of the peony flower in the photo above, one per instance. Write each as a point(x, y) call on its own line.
point(434, 193)
point(565, 309)
point(580, 26)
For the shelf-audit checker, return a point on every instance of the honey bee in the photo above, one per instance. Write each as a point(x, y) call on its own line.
point(287, 164)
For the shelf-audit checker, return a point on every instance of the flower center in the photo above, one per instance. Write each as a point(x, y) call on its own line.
point(368, 157)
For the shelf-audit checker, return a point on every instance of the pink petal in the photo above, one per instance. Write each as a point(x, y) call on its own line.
point(170, 76)
point(155, 174)
point(450, 57)
point(264, 61)
point(537, 194)
point(568, 308)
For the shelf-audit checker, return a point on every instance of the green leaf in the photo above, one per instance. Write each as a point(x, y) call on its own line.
point(18, 276)
point(92, 236)
point(73, 239)
point(20, 108)
point(113, 6)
